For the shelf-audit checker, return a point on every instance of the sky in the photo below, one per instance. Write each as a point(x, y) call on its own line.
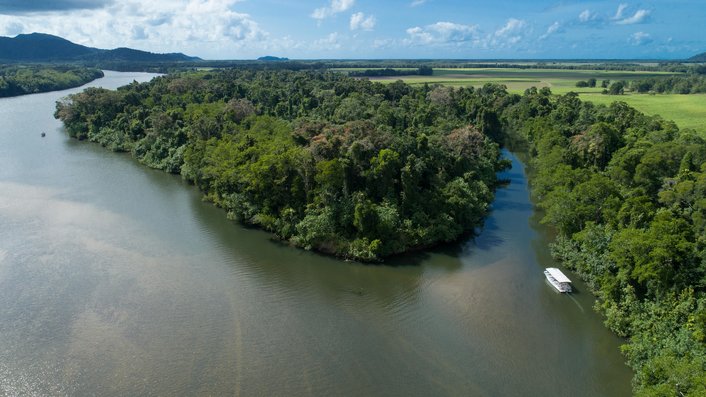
point(370, 29)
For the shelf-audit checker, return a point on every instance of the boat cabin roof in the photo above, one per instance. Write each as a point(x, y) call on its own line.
point(558, 275)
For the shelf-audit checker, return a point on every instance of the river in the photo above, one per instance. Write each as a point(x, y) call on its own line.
point(117, 280)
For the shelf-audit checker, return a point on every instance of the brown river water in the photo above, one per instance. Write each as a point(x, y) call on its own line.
point(117, 280)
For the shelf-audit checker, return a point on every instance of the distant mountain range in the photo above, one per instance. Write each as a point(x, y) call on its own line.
point(698, 58)
point(40, 47)
point(272, 58)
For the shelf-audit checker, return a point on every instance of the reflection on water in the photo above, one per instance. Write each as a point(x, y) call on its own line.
point(118, 280)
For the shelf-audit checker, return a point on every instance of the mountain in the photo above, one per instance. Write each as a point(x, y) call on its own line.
point(698, 58)
point(271, 58)
point(128, 54)
point(40, 47)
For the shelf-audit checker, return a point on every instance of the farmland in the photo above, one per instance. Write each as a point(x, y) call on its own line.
point(688, 111)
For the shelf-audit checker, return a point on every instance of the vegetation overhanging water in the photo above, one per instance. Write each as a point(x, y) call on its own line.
point(118, 280)
point(367, 170)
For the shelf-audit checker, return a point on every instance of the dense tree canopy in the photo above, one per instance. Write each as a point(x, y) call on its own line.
point(387, 72)
point(690, 84)
point(626, 193)
point(21, 80)
point(365, 170)
point(344, 166)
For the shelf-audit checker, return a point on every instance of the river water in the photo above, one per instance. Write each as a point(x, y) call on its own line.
point(118, 280)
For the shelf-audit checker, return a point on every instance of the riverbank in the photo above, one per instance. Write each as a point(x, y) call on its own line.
point(16, 80)
point(367, 172)
point(116, 279)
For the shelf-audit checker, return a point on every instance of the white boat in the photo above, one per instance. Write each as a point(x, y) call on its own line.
point(558, 279)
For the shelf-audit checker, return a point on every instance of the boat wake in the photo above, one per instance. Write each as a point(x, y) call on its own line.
point(576, 302)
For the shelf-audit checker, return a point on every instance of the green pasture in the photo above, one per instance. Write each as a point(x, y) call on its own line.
point(688, 111)
point(517, 80)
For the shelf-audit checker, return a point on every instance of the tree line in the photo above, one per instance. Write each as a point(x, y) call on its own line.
point(626, 194)
point(180, 66)
point(365, 170)
point(690, 84)
point(22, 80)
point(390, 72)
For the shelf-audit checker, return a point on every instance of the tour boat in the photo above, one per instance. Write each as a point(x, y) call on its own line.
point(558, 279)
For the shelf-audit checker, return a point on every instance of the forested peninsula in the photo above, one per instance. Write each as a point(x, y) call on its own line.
point(348, 167)
point(22, 80)
point(365, 170)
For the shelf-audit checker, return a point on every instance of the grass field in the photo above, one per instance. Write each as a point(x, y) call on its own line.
point(688, 111)
point(518, 80)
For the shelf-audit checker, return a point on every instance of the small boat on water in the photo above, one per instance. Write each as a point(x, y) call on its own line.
point(558, 279)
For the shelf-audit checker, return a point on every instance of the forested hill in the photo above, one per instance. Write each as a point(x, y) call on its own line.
point(698, 58)
point(365, 170)
point(39, 47)
point(272, 58)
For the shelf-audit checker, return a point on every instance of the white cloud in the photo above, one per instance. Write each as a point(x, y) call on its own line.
point(138, 33)
point(360, 21)
point(512, 26)
point(442, 33)
point(417, 3)
point(13, 28)
point(335, 7)
point(330, 42)
point(511, 33)
point(208, 28)
point(639, 17)
point(586, 16)
point(451, 34)
point(619, 12)
point(553, 28)
point(381, 44)
point(640, 38)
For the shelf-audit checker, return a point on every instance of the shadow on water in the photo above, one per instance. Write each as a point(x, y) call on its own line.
point(252, 242)
point(491, 236)
point(279, 267)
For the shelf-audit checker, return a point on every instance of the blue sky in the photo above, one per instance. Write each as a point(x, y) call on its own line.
point(306, 29)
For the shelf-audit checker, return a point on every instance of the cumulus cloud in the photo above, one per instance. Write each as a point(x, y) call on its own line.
point(15, 7)
point(360, 21)
point(468, 36)
point(639, 17)
point(13, 29)
point(640, 38)
point(511, 33)
point(620, 10)
point(138, 33)
point(188, 26)
point(512, 26)
point(442, 33)
point(553, 28)
point(587, 16)
point(335, 7)
point(330, 42)
point(381, 44)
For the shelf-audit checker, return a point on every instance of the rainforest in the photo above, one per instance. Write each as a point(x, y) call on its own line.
point(366, 170)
